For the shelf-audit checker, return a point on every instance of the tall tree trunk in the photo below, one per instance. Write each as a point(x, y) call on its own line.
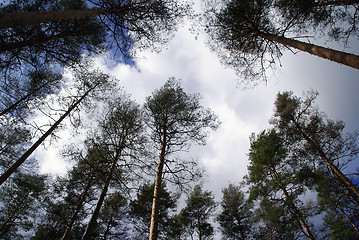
point(18, 163)
point(32, 42)
point(347, 59)
point(8, 20)
point(348, 218)
point(346, 183)
point(156, 190)
point(78, 208)
point(336, 3)
point(92, 223)
point(303, 225)
point(199, 225)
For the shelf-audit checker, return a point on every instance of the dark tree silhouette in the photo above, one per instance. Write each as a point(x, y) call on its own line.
point(245, 35)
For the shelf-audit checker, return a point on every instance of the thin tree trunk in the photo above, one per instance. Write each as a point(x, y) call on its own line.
point(347, 184)
point(348, 218)
point(347, 59)
point(294, 208)
point(22, 159)
point(14, 212)
point(78, 208)
point(92, 223)
point(17, 103)
point(8, 20)
point(199, 226)
point(156, 191)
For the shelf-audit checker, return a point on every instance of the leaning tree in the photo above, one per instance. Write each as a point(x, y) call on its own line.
point(248, 36)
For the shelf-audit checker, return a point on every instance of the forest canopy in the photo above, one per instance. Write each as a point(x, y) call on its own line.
point(133, 153)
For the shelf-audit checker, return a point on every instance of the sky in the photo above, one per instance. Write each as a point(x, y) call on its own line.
point(241, 112)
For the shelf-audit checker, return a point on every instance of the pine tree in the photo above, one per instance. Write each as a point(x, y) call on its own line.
point(247, 37)
point(176, 119)
point(235, 216)
point(200, 206)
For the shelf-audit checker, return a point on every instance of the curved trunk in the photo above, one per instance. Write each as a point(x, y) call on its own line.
point(22, 159)
point(8, 20)
point(156, 191)
point(347, 59)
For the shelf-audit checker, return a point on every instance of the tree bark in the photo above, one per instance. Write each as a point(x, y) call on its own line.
point(347, 59)
point(8, 20)
point(346, 183)
point(22, 159)
point(156, 191)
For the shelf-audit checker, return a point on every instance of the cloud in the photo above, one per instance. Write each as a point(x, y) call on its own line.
point(241, 112)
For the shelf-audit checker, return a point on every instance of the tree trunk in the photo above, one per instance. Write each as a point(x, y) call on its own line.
point(18, 163)
point(336, 3)
point(8, 20)
point(13, 214)
point(78, 208)
point(32, 42)
point(17, 103)
point(199, 225)
point(348, 218)
point(92, 223)
point(347, 59)
point(293, 207)
point(156, 191)
point(346, 183)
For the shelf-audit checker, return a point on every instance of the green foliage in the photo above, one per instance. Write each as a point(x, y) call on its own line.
point(141, 209)
point(250, 35)
point(179, 114)
point(339, 227)
point(236, 29)
point(200, 206)
point(235, 217)
point(112, 218)
point(20, 199)
point(334, 18)
point(273, 185)
point(60, 42)
point(313, 142)
point(14, 138)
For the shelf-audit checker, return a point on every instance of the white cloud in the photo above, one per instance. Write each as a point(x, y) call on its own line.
point(241, 112)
